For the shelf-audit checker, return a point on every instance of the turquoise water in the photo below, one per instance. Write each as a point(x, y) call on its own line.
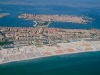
point(72, 64)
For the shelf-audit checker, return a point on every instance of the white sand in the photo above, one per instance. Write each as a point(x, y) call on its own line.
point(32, 52)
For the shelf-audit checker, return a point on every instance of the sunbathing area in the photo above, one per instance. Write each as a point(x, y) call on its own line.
point(32, 52)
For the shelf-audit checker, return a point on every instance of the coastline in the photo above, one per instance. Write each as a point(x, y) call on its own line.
point(46, 57)
point(48, 54)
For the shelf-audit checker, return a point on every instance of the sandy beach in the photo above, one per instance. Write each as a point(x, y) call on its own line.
point(33, 52)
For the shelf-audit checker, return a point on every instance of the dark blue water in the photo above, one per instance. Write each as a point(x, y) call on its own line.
point(73, 64)
point(89, 8)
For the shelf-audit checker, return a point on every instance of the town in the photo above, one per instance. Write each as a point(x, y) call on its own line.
point(47, 35)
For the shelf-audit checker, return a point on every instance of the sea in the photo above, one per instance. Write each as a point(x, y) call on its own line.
point(70, 64)
point(87, 63)
point(89, 8)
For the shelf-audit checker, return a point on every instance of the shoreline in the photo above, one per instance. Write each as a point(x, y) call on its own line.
point(31, 53)
point(47, 57)
point(52, 27)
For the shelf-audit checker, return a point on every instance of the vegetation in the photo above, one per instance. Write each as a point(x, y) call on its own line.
point(37, 44)
point(41, 23)
point(6, 43)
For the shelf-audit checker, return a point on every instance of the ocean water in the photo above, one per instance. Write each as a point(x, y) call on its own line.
point(72, 64)
point(89, 8)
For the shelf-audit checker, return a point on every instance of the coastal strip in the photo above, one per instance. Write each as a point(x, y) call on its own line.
point(33, 52)
point(18, 43)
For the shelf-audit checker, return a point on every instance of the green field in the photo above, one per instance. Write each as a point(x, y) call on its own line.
point(37, 44)
point(41, 23)
point(6, 43)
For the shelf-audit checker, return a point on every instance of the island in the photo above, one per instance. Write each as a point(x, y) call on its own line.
point(2, 15)
point(56, 18)
point(17, 43)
